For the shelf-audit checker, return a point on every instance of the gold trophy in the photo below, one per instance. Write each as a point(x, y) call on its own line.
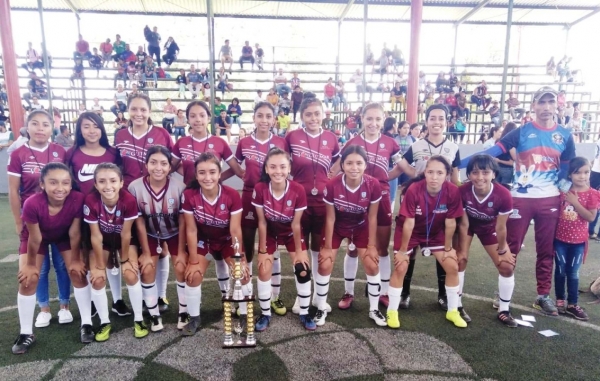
point(234, 294)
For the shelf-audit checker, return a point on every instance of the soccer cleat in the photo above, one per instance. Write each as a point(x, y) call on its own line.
point(346, 301)
point(87, 334)
point(182, 320)
point(561, 306)
point(577, 312)
point(22, 344)
point(140, 329)
point(64, 316)
point(43, 319)
point(464, 315)
point(320, 317)
point(163, 304)
point(103, 333)
point(378, 318)
point(192, 326)
point(120, 308)
point(156, 323)
point(404, 302)
point(262, 323)
point(454, 317)
point(546, 306)
point(393, 321)
point(327, 306)
point(496, 301)
point(278, 307)
point(385, 300)
point(443, 302)
point(94, 310)
point(506, 318)
point(307, 322)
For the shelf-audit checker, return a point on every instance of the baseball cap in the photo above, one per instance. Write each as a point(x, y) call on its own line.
point(543, 91)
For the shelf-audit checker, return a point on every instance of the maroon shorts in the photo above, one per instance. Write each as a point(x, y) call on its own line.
point(249, 218)
point(63, 245)
point(358, 236)
point(218, 249)
point(487, 234)
point(313, 220)
point(172, 245)
point(435, 243)
point(287, 241)
point(384, 212)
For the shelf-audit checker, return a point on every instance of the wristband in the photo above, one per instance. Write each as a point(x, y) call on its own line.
point(262, 252)
point(125, 261)
point(501, 252)
point(447, 251)
point(371, 246)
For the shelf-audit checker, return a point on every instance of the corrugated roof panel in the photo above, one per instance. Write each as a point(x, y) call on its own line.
point(550, 3)
point(444, 14)
point(527, 15)
point(312, 10)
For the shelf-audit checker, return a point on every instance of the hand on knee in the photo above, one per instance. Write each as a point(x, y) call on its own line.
point(99, 284)
point(179, 266)
point(195, 279)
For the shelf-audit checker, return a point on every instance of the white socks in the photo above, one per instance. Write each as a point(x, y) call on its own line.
point(193, 297)
point(394, 295)
point(303, 290)
point(314, 263)
point(246, 291)
point(181, 297)
point(83, 296)
point(321, 289)
point(264, 296)
point(350, 269)
point(26, 306)
point(222, 271)
point(385, 272)
point(452, 294)
point(505, 287)
point(136, 298)
point(276, 276)
point(373, 286)
point(461, 284)
point(150, 292)
point(162, 276)
point(114, 281)
point(101, 302)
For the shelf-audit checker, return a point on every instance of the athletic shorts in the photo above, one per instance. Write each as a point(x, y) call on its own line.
point(313, 220)
point(249, 218)
point(172, 245)
point(287, 241)
point(218, 249)
point(359, 237)
point(435, 243)
point(487, 234)
point(384, 212)
point(62, 245)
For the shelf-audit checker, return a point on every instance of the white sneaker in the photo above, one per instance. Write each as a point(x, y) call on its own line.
point(156, 324)
point(64, 316)
point(43, 319)
point(327, 306)
point(296, 307)
point(378, 318)
point(320, 317)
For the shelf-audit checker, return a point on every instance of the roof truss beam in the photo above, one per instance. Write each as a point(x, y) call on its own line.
point(482, 4)
point(584, 17)
point(70, 5)
point(346, 10)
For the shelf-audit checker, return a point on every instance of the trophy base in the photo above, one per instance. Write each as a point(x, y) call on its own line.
point(241, 343)
point(230, 299)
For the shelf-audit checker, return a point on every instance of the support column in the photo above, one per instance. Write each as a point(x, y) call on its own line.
point(567, 30)
point(10, 68)
point(412, 99)
point(211, 61)
point(506, 52)
point(45, 57)
point(455, 46)
point(364, 71)
point(337, 58)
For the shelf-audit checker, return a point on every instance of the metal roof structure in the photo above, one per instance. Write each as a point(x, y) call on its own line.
point(479, 12)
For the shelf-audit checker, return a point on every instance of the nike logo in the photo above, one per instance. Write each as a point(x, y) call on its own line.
point(553, 210)
point(83, 178)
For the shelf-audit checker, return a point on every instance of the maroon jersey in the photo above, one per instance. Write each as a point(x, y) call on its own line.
point(110, 221)
point(483, 213)
point(53, 228)
point(312, 156)
point(133, 150)
point(424, 208)
point(253, 153)
point(83, 166)
point(160, 210)
point(213, 218)
point(27, 162)
point(279, 212)
point(352, 205)
point(379, 152)
point(188, 148)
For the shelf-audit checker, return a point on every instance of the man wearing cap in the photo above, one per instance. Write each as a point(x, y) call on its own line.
point(543, 151)
point(513, 107)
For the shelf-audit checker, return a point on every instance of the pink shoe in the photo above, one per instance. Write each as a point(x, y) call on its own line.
point(346, 301)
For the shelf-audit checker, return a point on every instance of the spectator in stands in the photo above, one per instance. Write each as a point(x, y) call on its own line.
point(561, 99)
point(153, 38)
point(383, 64)
point(441, 83)
point(106, 49)
point(172, 50)
point(128, 55)
point(241, 135)
point(415, 131)
point(134, 90)
point(280, 82)
point(225, 55)
point(495, 113)
point(179, 125)
point(181, 83)
point(169, 114)
point(493, 137)
point(34, 60)
point(222, 84)
point(150, 71)
point(97, 108)
point(82, 49)
point(78, 73)
point(36, 88)
point(351, 124)
point(397, 96)
point(282, 123)
point(204, 75)
point(96, 62)
point(295, 81)
point(369, 56)
point(20, 141)
point(121, 123)
point(81, 110)
point(36, 105)
point(247, 55)
point(3, 94)
point(460, 128)
point(118, 48)
point(551, 67)
point(297, 97)
point(397, 58)
point(461, 106)
point(505, 160)
point(330, 94)
point(358, 80)
point(193, 81)
point(480, 97)
point(284, 104)
point(234, 111)
point(260, 54)
point(383, 88)
point(224, 124)
point(258, 98)
point(577, 125)
point(120, 101)
point(441, 99)
point(134, 72)
point(451, 102)
point(569, 111)
point(340, 92)
point(141, 55)
point(64, 138)
point(273, 98)
point(516, 112)
point(6, 137)
point(206, 91)
point(527, 118)
point(328, 121)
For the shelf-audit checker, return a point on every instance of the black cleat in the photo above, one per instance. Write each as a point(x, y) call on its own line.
point(506, 318)
point(22, 344)
point(404, 302)
point(191, 327)
point(87, 334)
point(120, 308)
point(443, 302)
point(464, 315)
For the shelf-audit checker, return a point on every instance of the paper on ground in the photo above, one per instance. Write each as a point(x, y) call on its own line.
point(530, 318)
point(548, 333)
point(523, 323)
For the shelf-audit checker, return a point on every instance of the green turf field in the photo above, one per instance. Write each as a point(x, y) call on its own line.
point(348, 347)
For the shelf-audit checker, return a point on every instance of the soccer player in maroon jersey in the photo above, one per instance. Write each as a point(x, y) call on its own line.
point(352, 201)
point(213, 226)
point(427, 219)
point(252, 151)
point(487, 205)
point(380, 149)
point(313, 152)
point(279, 205)
point(158, 198)
point(24, 167)
point(110, 212)
point(133, 143)
point(51, 216)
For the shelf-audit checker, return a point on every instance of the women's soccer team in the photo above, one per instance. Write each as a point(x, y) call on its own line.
point(118, 213)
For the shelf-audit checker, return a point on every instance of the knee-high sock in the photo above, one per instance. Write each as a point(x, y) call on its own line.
point(162, 276)
point(83, 296)
point(408, 277)
point(506, 286)
point(150, 292)
point(276, 276)
point(452, 294)
point(264, 296)
point(181, 297)
point(385, 271)
point(441, 277)
point(193, 297)
point(26, 304)
point(373, 287)
point(246, 291)
point(394, 293)
point(461, 284)
point(136, 298)
point(321, 289)
point(350, 269)
point(101, 302)
point(222, 271)
point(114, 281)
point(303, 290)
